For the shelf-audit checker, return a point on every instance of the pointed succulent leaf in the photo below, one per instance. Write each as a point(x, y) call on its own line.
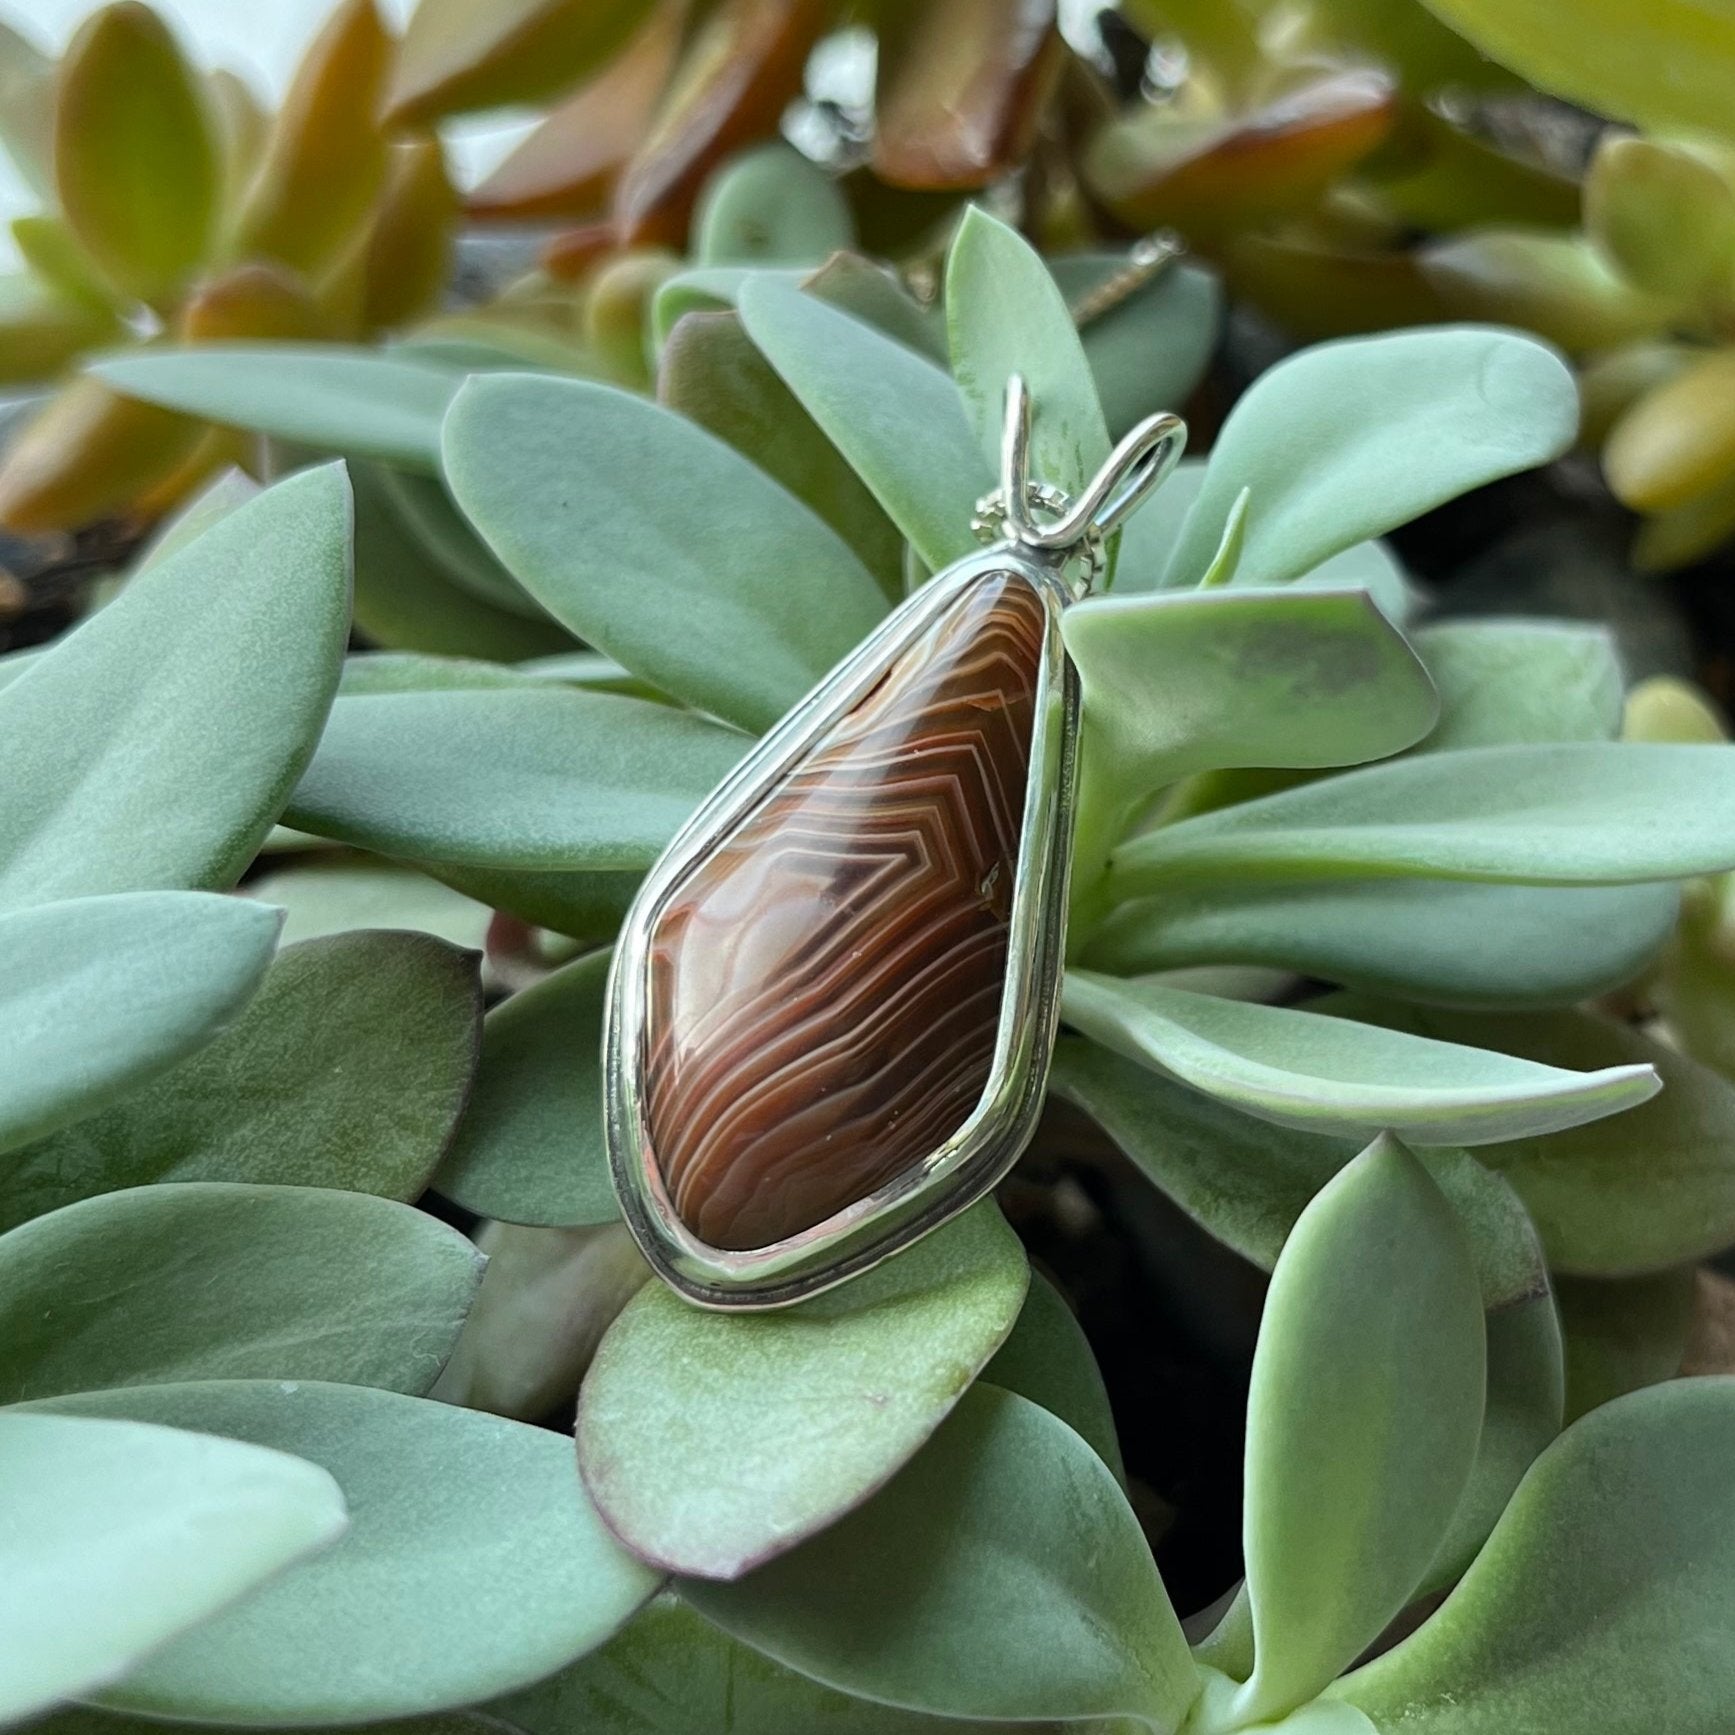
point(1602, 1593)
point(532, 777)
point(135, 152)
point(1623, 1333)
point(619, 516)
point(115, 778)
point(891, 412)
point(103, 1293)
point(1005, 315)
point(120, 1536)
point(348, 1069)
point(713, 1441)
point(1363, 1419)
point(1000, 1574)
point(358, 402)
point(231, 490)
point(1346, 440)
point(530, 1147)
point(1654, 1188)
point(519, 1578)
point(1245, 1181)
point(1335, 1075)
point(97, 995)
point(1590, 813)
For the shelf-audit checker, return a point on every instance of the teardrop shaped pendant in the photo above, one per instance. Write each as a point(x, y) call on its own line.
point(833, 1002)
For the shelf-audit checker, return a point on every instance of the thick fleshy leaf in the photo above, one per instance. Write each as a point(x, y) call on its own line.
point(1246, 1181)
point(97, 995)
point(1445, 942)
point(338, 897)
point(88, 1720)
point(1661, 63)
point(447, 542)
point(1575, 814)
point(232, 489)
point(1148, 351)
point(891, 412)
point(120, 1536)
point(713, 373)
point(673, 1673)
point(1346, 440)
point(1623, 1333)
point(41, 330)
point(619, 517)
point(534, 778)
point(771, 204)
point(1653, 1188)
point(1677, 443)
point(358, 402)
point(530, 1147)
point(347, 1070)
point(115, 779)
point(1001, 1574)
point(324, 158)
point(456, 57)
point(135, 151)
point(1049, 1360)
point(1175, 684)
point(960, 90)
point(1005, 315)
point(1602, 1594)
point(1335, 1075)
point(212, 1281)
point(1362, 1422)
point(713, 1441)
point(517, 1578)
point(1507, 682)
point(586, 906)
point(1663, 215)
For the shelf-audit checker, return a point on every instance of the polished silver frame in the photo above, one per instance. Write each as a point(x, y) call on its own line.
point(973, 1160)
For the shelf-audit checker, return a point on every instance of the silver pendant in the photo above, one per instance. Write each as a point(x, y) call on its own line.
point(833, 1002)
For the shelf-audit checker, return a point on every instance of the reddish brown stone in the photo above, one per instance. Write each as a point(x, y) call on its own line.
point(825, 985)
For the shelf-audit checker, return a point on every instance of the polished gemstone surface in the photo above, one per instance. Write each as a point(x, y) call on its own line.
point(825, 984)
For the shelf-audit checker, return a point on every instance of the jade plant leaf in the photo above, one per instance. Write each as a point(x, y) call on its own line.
point(97, 995)
point(1345, 440)
point(711, 1442)
point(515, 1577)
point(530, 1147)
point(120, 1536)
point(1571, 813)
point(135, 152)
point(1048, 1360)
point(1651, 1189)
point(347, 1070)
point(1335, 1075)
point(1602, 1593)
point(1246, 1181)
point(890, 411)
point(1363, 1419)
point(114, 778)
point(1513, 682)
point(1001, 1573)
point(357, 402)
point(207, 1280)
point(619, 517)
point(1450, 942)
point(1005, 315)
point(672, 1673)
point(1623, 1333)
point(532, 777)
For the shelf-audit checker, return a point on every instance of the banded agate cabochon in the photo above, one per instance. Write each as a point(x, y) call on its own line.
point(825, 984)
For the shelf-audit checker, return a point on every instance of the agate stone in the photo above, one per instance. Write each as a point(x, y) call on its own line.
point(825, 985)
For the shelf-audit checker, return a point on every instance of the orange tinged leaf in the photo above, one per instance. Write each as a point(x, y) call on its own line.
point(467, 54)
point(135, 152)
point(325, 157)
point(1678, 441)
point(961, 89)
point(617, 314)
point(571, 257)
point(257, 300)
point(242, 126)
point(568, 165)
point(215, 450)
point(409, 247)
point(88, 454)
point(741, 71)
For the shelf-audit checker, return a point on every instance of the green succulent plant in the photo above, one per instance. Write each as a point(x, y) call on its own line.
point(231, 1316)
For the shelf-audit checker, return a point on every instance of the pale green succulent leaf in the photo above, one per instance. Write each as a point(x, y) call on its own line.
point(1623, 1333)
point(771, 205)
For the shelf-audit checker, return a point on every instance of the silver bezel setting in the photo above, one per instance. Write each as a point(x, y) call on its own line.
point(973, 1160)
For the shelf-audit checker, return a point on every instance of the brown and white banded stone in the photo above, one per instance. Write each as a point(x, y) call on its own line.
point(825, 985)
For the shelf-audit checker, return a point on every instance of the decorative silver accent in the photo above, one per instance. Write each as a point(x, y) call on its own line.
point(973, 1160)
